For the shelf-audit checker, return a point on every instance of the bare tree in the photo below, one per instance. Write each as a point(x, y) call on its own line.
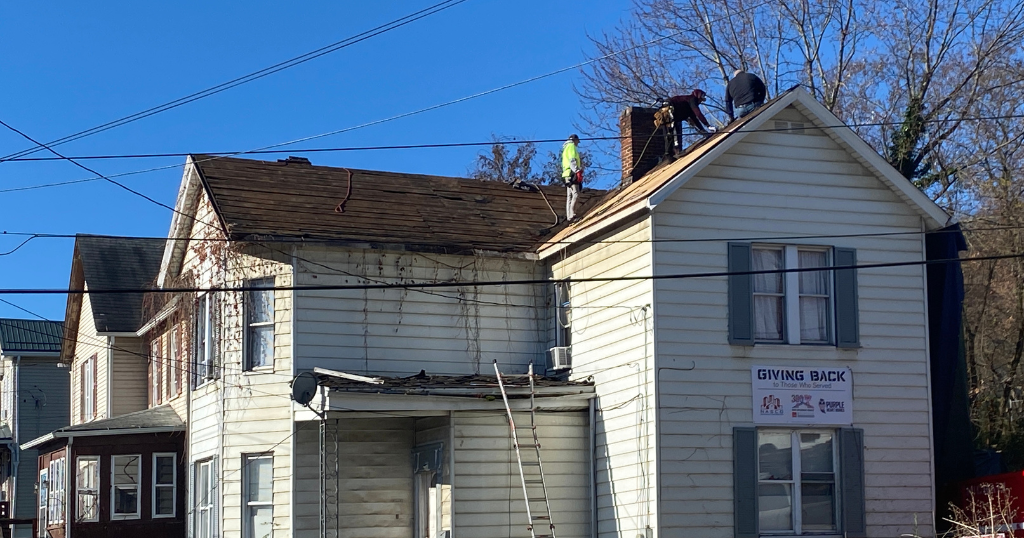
point(500, 164)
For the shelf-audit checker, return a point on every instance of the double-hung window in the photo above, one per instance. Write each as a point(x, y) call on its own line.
point(174, 365)
point(125, 473)
point(165, 484)
point(258, 510)
point(156, 372)
point(776, 295)
point(204, 346)
point(259, 324)
point(563, 315)
point(87, 485)
point(43, 502)
point(204, 519)
point(793, 482)
point(57, 468)
point(88, 389)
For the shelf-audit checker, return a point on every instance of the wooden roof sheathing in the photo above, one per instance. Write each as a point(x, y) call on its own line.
point(293, 199)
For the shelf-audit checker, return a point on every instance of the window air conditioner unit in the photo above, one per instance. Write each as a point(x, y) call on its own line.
point(559, 358)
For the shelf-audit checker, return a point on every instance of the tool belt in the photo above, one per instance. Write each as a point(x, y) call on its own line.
point(663, 116)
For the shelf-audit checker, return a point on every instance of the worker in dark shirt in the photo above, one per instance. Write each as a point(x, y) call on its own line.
point(687, 108)
point(747, 91)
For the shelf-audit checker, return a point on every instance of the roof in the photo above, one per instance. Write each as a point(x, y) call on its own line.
point(118, 263)
point(291, 198)
point(645, 193)
point(30, 336)
point(465, 385)
point(162, 419)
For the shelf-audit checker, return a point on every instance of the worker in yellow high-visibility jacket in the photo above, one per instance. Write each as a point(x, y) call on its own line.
point(572, 175)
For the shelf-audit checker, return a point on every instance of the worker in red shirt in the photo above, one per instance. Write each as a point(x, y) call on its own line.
point(687, 108)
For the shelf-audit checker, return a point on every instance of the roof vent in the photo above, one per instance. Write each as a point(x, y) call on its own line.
point(295, 160)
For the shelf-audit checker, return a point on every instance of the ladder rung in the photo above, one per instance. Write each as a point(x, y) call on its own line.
point(532, 463)
point(542, 517)
point(534, 481)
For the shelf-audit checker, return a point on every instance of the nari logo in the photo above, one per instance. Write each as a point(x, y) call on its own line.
point(771, 405)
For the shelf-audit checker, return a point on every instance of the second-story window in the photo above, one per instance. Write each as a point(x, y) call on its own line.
point(259, 320)
point(174, 364)
point(204, 339)
point(563, 315)
point(88, 389)
point(156, 374)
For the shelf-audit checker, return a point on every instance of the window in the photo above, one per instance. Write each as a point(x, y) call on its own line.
point(55, 504)
point(43, 502)
point(563, 315)
point(259, 319)
point(796, 481)
point(87, 483)
point(174, 362)
point(203, 339)
point(205, 499)
point(791, 482)
point(165, 484)
point(125, 472)
point(798, 307)
point(155, 372)
point(87, 389)
point(258, 510)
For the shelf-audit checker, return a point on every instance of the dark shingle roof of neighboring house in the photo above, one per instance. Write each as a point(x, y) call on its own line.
point(118, 263)
point(160, 419)
point(292, 198)
point(30, 336)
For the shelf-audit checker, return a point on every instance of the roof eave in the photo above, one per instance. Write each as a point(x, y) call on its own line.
point(99, 433)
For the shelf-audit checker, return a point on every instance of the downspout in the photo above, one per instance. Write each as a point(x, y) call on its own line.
point(110, 374)
point(928, 376)
point(16, 459)
point(291, 353)
point(593, 468)
point(451, 467)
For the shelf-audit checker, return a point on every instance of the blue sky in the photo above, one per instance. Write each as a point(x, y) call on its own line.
point(67, 66)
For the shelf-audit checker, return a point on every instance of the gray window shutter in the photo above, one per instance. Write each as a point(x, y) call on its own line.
point(847, 314)
point(851, 474)
point(741, 296)
point(744, 479)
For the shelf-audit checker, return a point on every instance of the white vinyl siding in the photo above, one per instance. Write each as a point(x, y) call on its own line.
point(612, 341)
point(784, 185)
point(456, 331)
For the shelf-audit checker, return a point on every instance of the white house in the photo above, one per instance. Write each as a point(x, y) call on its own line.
point(720, 383)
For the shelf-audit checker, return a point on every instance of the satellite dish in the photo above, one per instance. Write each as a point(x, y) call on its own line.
point(304, 388)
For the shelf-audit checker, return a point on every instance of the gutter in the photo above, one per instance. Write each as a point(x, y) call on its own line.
point(69, 435)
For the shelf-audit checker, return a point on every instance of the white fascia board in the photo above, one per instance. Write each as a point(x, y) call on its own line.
point(164, 313)
point(179, 225)
point(117, 334)
point(672, 186)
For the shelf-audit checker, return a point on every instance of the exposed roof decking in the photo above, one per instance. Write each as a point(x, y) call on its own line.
point(290, 199)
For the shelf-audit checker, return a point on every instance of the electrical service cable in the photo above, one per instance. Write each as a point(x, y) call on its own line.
point(213, 90)
point(483, 283)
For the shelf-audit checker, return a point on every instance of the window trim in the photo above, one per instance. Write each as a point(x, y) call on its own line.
point(79, 490)
point(211, 501)
point(247, 505)
point(88, 384)
point(563, 305)
point(791, 294)
point(43, 502)
point(174, 357)
point(57, 509)
point(114, 516)
point(173, 485)
point(796, 481)
point(247, 359)
point(156, 376)
point(203, 358)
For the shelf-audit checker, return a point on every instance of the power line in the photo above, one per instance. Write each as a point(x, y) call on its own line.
point(213, 90)
point(443, 145)
point(402, 115)
point(483, 283)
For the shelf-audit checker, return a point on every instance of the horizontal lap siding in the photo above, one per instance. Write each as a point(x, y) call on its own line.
point(129, 383)
point(488, 492)
point(87, 344)
point(376, 497)
point(778, 185)
point(43, 393)
point(609, 335)
point(457, 330)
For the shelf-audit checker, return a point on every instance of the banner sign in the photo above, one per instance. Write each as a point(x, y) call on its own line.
point(802, 395)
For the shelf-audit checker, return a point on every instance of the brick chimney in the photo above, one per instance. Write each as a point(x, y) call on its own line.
point(636, 127)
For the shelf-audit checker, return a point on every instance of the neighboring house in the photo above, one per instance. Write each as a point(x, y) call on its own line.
point(108, 360)
point(757, 404)
point(33, 400)
point(120, 476)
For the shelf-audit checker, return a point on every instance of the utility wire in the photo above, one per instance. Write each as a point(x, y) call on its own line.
point(325, 241)
point(442, 145)
point(213, 90)
point(483, 283)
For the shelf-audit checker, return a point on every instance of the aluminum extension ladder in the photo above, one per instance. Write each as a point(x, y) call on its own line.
point(530, 480)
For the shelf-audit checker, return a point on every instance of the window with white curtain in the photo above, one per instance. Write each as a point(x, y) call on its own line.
point(793, 308)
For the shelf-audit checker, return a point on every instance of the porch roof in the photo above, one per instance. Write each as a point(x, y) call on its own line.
point(473, 386)
point(160, 419)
